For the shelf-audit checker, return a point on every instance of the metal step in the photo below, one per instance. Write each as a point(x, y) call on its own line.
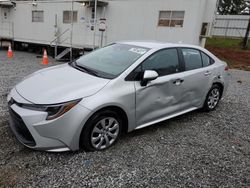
point(62, 54)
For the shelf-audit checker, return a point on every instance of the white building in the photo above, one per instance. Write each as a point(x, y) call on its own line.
point(71, 23)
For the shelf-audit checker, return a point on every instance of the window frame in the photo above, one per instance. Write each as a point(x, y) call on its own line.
point(212, 61)
point(93, 13)
point(136, 77)
point(170, 20)
point(70, 19)
point(35, 19)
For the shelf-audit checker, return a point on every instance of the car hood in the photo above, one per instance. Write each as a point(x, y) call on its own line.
point(59, 84)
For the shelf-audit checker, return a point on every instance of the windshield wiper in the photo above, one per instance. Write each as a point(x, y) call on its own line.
point(85, 69)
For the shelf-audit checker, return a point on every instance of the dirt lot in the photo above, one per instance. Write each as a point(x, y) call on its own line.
point(230, 50)
point(194, 150)
point(237, 59)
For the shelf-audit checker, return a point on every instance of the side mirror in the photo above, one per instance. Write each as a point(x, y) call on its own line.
point(148, 75)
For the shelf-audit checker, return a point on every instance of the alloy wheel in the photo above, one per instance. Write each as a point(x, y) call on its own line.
point(104, 133)
point(213, 98)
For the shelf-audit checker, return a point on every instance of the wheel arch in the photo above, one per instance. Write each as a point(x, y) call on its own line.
point(121, 112)
point(221, 86)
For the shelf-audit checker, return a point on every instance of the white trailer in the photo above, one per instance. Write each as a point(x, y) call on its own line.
point(72, 24)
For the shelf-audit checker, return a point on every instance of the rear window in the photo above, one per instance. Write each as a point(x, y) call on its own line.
point(192, 59)
point(205, 59)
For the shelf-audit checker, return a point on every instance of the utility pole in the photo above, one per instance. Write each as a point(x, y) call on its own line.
point(71, 30)
point(95, 24)
point(245, 41)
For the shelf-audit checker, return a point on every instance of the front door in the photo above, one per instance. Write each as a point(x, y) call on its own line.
point(161, 97)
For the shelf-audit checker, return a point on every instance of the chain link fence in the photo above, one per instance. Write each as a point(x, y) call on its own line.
point(230, 25)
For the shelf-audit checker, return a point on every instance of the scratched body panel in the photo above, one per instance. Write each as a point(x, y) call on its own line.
point(196, 86)
point(158, 99)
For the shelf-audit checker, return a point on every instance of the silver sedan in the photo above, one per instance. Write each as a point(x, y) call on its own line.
point(125, 86)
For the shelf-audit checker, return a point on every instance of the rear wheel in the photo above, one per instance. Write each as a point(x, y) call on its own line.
point(101, 131)
point(213, 98)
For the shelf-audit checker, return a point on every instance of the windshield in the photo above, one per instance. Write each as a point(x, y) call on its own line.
point(111, 61)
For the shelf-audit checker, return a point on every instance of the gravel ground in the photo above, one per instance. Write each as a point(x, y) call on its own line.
point(194, 150)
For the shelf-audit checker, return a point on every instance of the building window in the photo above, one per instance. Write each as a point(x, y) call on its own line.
point(67, 16)
point(93, 13)
point(171, 18)
point(37, 16)
point(5, 15)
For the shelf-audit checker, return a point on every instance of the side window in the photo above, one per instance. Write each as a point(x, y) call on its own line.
point(164, 62)
point(205, 59)
point(192, 59)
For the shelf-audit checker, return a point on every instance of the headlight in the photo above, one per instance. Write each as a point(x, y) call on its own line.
point(54, 111)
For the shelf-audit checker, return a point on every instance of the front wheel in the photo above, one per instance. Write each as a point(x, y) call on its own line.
point(102, 131)
point(213, 98)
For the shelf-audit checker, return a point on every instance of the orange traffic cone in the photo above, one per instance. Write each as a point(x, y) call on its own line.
point(10, 52)
point(45, 58)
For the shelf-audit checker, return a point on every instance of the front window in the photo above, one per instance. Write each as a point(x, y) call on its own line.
point(164, 62)
point(111, 61)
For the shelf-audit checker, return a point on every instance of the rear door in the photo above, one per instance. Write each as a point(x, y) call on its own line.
point(161, 97)
point(197, 77)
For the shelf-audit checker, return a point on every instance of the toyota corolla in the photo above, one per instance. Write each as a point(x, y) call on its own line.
point(90, 102)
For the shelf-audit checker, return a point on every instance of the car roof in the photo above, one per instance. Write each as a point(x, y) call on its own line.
point(156, 44)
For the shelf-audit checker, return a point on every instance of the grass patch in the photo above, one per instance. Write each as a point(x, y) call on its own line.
point(225, 43)
point(230, 50)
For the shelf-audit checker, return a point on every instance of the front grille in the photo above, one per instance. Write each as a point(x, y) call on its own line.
point(20, 129)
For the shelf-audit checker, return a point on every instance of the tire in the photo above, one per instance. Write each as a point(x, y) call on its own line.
point(213, 98)
point(101, 131)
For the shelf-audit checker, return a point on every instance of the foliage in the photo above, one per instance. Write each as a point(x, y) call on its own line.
point(233, 7)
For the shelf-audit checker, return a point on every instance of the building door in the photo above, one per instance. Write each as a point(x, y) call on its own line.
point(5, 23)
point(5, 14)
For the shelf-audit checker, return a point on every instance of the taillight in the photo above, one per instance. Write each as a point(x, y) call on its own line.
point(226, 68)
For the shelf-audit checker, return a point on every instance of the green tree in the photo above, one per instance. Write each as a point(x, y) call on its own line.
point(232, 7)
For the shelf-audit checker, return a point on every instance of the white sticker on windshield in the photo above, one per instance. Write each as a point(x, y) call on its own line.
point(140, 51)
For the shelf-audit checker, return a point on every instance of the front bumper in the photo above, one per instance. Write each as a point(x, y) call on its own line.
point(34, 131)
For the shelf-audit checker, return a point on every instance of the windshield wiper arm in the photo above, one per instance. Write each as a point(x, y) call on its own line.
point(85, 69)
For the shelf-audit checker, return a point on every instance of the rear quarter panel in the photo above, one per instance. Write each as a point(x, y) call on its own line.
point(222, 76)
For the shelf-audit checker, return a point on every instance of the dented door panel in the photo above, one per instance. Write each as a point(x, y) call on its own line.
point(160, 98)
point(196, 86)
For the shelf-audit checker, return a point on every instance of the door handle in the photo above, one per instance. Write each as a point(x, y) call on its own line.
point(178, 82)
point(208, 73)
